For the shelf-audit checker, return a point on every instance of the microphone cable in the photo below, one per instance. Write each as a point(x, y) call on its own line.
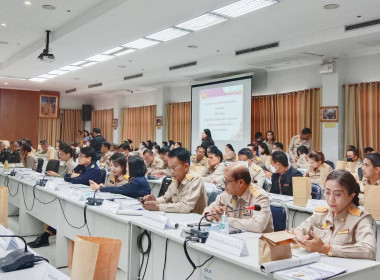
point(187, 239)
point(144, 252)
point(9, 191)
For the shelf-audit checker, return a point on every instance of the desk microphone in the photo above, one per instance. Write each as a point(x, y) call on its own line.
point(17, 259)
point(94, 201)
point(13, 172)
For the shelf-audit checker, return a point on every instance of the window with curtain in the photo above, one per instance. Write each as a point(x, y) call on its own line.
point(362, 125)
point(71, 123)
point(49, 129)
point(138, 124)
point(287, 114)
point(178, 123)
point(103, 120)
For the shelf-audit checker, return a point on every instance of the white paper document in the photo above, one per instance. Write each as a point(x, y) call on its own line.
point(289, 263)
point(315, 271)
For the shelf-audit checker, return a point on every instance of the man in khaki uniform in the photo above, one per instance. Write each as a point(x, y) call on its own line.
point(304, 139)
point(106, 154)
point(256, 172)
point(164, 154)
point(240, 193)
point(353, 162)
point(186, 193)
point(371, 173)
point(46, 151)
point(152, 162)
point(215, 171)
point(199, 159)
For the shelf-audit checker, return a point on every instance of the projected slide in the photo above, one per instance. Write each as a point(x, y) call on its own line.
point(220, 110)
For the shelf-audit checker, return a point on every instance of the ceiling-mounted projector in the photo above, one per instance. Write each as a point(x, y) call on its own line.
point(45, 55)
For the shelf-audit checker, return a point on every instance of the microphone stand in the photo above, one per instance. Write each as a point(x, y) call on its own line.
point(17, 259)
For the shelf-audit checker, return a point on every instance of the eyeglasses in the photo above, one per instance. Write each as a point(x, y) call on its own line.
point(225, 182)
point(336, 194)
point(173, 169)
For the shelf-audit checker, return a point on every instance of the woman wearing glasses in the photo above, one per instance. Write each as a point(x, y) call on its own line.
point(340, 229)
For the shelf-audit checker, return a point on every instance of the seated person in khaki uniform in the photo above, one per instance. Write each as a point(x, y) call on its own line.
point(118, 175)
point(125, 149)
point(66, 154)
point(164, 154)
point(353, 162)
point(302, 162)
point(152, 163)
point(46, 151)
point(303, 139)
point(240, 193)
point(270, 140)
point(215, 171)
point(264, 155)
point(230, 154)
point(28, 159)
point(318, 170)
point(199, 159)
point(256, 172)
point(106, 153)
point(340, 229)
point(371, 173)
point(186, 193)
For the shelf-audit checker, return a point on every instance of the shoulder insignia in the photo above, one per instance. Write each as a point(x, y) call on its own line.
point(355, 211)
point(256, 168)
point(204, 158)
point(193, 156)
point(126, 177)
point(321, 209)
point(189, 177)
point(255, 191)
point(93, 166)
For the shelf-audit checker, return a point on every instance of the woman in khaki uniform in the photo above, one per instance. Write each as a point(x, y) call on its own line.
point(118, 166)
point(270, 140)
point(318, 170)
point(230, 154)
point(264, 155)
point(341, 229)
point(66, 153)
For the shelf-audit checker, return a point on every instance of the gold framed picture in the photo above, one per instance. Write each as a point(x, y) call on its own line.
point(329, 114)
point(158, 121)
point(48, 106)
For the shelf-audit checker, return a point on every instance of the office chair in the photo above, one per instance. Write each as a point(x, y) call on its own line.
point(165, 185)
point(279, 214)
point(53, 165)
point(40, 163)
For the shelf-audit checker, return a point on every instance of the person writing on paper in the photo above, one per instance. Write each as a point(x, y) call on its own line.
point(371, 173)
point(186, 193)
point(256, 172)
point(318, 170)
point(302, 162)
point(340, 229)
point(215, 171)
point(135, 186)
point(303, 139)
point(66, 154)
point(240, 193)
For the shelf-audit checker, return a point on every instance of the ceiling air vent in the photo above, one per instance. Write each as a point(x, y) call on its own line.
point(71, 90)
point(133, 76)
point(182, 65)
point(95, 85)
point(361, 25)
point(258, 48)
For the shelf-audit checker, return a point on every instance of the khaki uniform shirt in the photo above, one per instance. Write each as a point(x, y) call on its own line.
point(69, 166)
point(229, 156)
point(49, 154)
point(270, 145)
point(202, 162)
point(215, 174)
point(302, 163)
point(156, 164)
point(350, 234)
point(257, 174)
point(264, 160)
point(121, 180)
point(353, 167)
point(319, 175)
point(249, 220)
point(189, 196)
point(104, 160)
point(296, 142)
point(30, 161)
point(365, 183)
point(164, 171)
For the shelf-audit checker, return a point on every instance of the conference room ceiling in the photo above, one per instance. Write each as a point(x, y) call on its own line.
point(81, 29)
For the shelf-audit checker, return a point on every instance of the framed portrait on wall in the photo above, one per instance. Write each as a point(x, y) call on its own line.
point(115, 123)
point(158, 121)
point(48, 106)
point(329, 114)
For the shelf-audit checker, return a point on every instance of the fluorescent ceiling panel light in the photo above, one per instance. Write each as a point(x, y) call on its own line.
point(13, 78)
point(70, 68)
point(243, 7)
point(99, 58)
point(201, 22)
point(89, 63)
point(168, 34)
point(112, 51)
point(124, 52)
point(140, 44)
point(57, 72)
point(78, 63)
point(46, 76)
point(37, 80)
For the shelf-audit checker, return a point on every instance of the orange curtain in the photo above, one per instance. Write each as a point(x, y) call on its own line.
point(71, 123)
point(287, 114)
point(138, 124)
point(49, 129)
point(178, 123)
point(362, 125)
point(103, 120)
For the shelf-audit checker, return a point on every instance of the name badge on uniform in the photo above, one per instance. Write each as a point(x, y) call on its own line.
point(344, 231)
point(246, 212)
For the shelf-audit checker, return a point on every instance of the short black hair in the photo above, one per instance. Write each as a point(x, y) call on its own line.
point(182, 154)
point(265, 147)
point(179, 144)
point(43, 142)
point(129, 141)
point(19, 142)
point(66, 148)
point(89, 152)
point(107, 144)
point(75, 144)
point(354, 150)
point(28, 141)
point(163, 150)
point(302, 150)
point(157, 147)
point(121, 160)
point(125, 146)
point(279, 145)
point(280, 157)
point(218, 153)
point(258, 134)
point(144, 144)
point(305, 131)
point(164, 143)
point(368, 150)
point(200, 146)
point(27, 148)
point(148, 151)
point(136, 166)
point(243, 174)
point(254, 147)
point(96, 130)
point(374, 158)
point(247, 152)
point(230, 147)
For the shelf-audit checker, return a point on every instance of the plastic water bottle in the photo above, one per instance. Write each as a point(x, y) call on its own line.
point(6, 166)
point(224, 226)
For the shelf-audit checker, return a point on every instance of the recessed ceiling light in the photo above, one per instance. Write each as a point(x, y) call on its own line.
point(331, 6)
point(89, 63)
point(99, 58)
point(46, 76)
point(192, 46)
point(28, 3)
point(201, 22)
point(13, 78)
point(57, 72)
point(69, 68)
point(5, 83)
point(124, 52)
point(79, 63)
point(243, 7)
point(37, 80)
point(3, 24)
point(48, 7)
point(112, 51)
point(168, 34)
point(140, 44)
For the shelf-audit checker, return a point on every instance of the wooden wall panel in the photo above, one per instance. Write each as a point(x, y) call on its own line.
point(19, 114)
